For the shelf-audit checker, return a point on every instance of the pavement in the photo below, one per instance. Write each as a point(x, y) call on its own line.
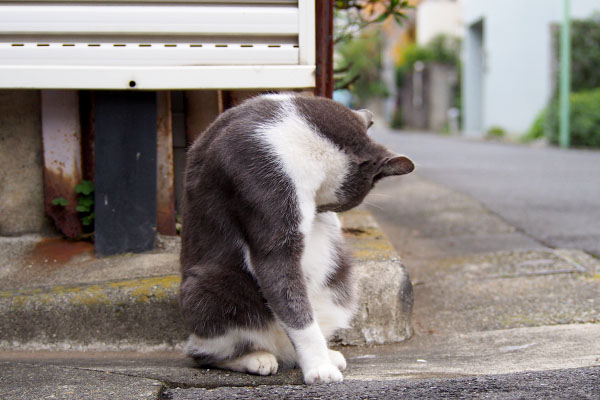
point(498, 312)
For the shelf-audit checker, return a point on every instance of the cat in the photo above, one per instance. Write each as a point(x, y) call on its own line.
point(265, 275)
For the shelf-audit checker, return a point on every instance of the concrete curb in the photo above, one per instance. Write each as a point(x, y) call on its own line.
point(142, 314)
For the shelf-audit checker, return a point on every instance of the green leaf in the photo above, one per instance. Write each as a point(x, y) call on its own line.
point(85, 187)
point(382, 17)
point(60, 201)
point(85, 201)
point(87, 220)
point(82, 209)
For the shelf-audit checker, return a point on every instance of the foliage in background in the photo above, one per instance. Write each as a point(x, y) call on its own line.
point(585, 53)
point(585, 120)
point(585, 84)
point(495, 132)
point(358, 49)
point(362, 58)
point(353, 16)
point(442, 49)
point(538, 129)
point(397, 121)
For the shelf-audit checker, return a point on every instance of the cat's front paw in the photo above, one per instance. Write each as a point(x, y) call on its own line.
point(323, 373)
point(337, 359)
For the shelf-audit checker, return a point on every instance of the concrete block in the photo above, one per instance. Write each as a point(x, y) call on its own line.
point(118, 303)
point(21, 176)
point(385, 290)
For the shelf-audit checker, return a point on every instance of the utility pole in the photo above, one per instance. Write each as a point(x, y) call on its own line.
point(565, 76)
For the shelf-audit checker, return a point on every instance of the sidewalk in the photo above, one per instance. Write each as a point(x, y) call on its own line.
point(472, 271)
point(495, 313)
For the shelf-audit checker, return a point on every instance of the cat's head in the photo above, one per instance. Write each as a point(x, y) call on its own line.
point(367, 161)
point(367, 165)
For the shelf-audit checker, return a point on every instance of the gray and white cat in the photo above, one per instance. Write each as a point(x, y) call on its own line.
point(265, 276)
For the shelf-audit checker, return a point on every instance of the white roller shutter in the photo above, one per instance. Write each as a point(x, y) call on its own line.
point(157, 44)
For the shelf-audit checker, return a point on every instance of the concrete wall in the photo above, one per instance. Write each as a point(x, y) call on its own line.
point(21, 182)
point(515, 81)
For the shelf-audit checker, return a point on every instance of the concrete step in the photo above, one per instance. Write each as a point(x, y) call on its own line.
point(57, 295)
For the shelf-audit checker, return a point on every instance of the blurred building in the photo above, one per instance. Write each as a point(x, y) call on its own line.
point(428, 19)
point(508, 60)
point(435, 17)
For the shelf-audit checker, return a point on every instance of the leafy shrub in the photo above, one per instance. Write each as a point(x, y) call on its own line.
point(496, 132)
point(585, 53)
point(584, 121)
point(538, 128)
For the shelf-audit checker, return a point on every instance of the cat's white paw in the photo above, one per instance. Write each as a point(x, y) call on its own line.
point(260, 363)
point(323, 373)
point(337, 359)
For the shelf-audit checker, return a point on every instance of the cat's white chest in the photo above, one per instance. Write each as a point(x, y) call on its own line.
point(319, 261)
point(320, 252)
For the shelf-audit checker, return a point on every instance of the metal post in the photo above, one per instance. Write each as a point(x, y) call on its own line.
point(565, 76)
point(324, 48)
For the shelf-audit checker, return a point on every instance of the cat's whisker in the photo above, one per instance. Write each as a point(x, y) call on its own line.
point(373, 205)
point(380, 195)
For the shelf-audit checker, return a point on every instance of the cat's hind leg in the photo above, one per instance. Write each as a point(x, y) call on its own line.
point(259, 352)
point(232, 353)
point(257, 362)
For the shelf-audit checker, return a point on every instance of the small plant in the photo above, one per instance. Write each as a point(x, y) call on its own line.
point(85, 202)
point(496, 132)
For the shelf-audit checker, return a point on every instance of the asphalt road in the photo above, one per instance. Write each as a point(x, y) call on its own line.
point(550, 194)
point(580, 383)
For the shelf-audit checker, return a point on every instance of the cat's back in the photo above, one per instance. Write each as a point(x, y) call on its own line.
point(237, 124)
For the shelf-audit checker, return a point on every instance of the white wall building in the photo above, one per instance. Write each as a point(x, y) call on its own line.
point(435, 17)
point(507, 60)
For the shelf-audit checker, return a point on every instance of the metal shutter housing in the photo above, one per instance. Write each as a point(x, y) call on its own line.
point(157, 44)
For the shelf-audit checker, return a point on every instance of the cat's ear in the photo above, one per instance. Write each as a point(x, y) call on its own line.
point(398, 165)
point(366, 117)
